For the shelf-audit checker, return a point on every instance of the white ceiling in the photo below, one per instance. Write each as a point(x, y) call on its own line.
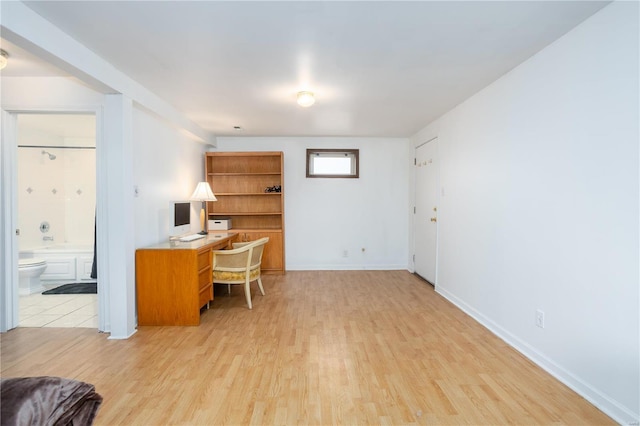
point(24, 64)
point(381, 68)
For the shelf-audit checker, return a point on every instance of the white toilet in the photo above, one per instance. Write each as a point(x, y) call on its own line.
point(29, 271)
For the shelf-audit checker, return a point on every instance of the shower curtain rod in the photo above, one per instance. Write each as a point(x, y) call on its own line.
point(54, 146)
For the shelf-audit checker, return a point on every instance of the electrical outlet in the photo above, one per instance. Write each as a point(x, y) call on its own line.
point(540, 318)
point(345, 253)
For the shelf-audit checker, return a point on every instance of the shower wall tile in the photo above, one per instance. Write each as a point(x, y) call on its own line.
point(39, 205)
point(80, 189)
point(53, 196)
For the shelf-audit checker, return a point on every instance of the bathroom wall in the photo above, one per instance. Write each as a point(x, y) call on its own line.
point(61, 192)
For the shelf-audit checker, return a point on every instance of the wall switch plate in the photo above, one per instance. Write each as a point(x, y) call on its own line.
point(540, 318)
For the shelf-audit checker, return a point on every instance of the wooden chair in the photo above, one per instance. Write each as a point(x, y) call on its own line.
point(241, 265)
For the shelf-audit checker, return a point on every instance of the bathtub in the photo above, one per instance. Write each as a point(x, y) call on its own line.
point(65, 261)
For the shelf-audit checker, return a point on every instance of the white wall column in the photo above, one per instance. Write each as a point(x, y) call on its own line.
point(8, 221)
point(119, 278)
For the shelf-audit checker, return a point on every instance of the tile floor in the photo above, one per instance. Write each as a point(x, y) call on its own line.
point(59, 310)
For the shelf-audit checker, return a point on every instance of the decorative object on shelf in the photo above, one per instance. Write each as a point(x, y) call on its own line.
point(306, 99)
point(275, 188)
point(220, 223)
point(203, 193)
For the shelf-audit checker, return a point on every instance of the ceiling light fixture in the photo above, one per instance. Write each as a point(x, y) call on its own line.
point(4, 57)
point(306, 99)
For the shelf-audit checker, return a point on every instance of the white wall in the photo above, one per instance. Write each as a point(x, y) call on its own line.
point(167, 166)
point(541, 206)
point(167, 163)
point(41, 197)
point(51, 94)
point(31, 94)
point(114, 158)
point(61, 192)
point(80, 190)
point(325, 217)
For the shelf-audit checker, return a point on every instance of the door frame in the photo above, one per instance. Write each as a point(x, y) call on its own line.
point(9, 216)
point(437, 194)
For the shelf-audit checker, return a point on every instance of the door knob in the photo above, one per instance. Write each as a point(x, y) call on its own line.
point(433, 219)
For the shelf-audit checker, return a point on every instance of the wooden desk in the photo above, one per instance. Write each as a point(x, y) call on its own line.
point(174, 279)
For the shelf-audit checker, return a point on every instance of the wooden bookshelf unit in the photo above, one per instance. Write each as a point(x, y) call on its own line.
point(240, 181)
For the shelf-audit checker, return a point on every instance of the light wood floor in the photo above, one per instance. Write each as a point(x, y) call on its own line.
point(330, 347)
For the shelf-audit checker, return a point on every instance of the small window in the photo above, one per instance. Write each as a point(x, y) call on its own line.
point(332, 163)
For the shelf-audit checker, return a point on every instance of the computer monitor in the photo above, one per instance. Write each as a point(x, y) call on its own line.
point(180, 218)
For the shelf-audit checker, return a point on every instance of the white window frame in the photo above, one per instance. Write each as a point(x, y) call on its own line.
point(352, 154)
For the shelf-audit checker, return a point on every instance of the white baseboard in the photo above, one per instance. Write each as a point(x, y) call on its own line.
point(607, 405)
point(346, 267)
point(123, 337)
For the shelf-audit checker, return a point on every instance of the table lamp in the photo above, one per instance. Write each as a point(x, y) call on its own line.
point(203, 193)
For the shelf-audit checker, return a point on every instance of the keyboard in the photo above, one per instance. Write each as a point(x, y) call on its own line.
point(191, 237)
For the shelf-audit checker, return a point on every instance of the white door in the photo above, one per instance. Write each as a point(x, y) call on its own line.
point(426, 212)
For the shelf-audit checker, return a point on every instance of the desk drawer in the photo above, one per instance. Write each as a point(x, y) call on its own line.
point(205, 279)
point(205, 296)
point(204, 259)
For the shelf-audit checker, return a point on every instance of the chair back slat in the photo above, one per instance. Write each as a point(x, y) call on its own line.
point(258, 250)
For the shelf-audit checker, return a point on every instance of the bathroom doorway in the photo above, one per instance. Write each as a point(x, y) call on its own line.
point(56, 206)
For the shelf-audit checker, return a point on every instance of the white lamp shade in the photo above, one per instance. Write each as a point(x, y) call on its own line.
point(203, 192)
